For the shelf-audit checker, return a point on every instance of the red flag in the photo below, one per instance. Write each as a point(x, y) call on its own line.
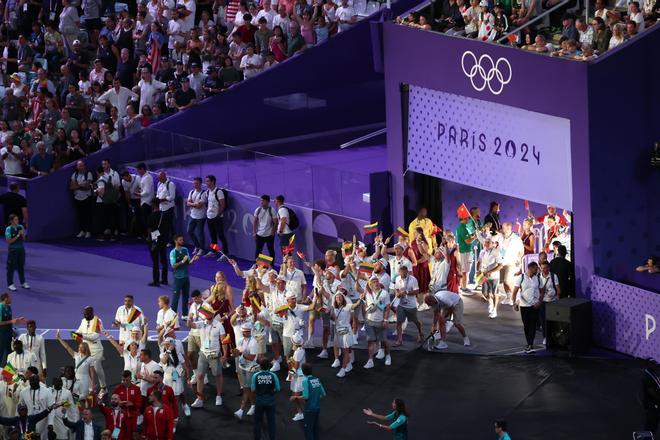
point(154, 54)
point(518, 227)
point(462, 212)
point(526, 205)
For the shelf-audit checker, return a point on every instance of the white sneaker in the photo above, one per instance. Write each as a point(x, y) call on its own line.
point(388, 360)
point(198, 403)
point(25, 286)
point(380, 354)
point(218, 400)
point(494, 314)
point(200, 252)
point(441, 345)
point(298, 416)
point(507, 302)
point(466, 341)
point(186, 410)
point(250, 411)
point(423, 307)
point(276, 367)
point(193, 379)
point(239, 414)
point(543, 341)
point(341, 373)
point(88, 235)
point(449, 325)
point(336, 364)
point(490, 308)
point(369, 364)
point(323, 354)
point(308, 343)
point(11, 287)
point(81, 234)
point(349, 367)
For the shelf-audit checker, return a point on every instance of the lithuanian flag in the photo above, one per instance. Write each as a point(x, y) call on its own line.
point(133, 315)
point(282, 310)
point(76, 336)
point(367, 267)
point(206, 310)
point(264, 260)
point(9, 373)
point(402, 232)
point(370, 229)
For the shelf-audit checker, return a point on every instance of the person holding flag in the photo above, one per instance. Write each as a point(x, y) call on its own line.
point(211, 332)
point(422, 221)
point(127, 317)
point(295, 278)
point(84, 369)
point(90, 330)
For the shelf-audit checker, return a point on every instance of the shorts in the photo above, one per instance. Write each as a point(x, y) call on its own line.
point(244, 377)
point(506, 274)
point(344, 341)
point(261, 344)
point(490, 286)
point(287, 346)
point(297, 385)
point(466, 261)
point(93, 24)
point(457, 312)
point(204, 363)
point(194, 343)
point(325, 317)
point(375, 331)
point(403, 313)
point(276, 333)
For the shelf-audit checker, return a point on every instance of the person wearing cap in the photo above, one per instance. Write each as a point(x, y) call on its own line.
point(246, 353)
point(377, 300)
point(445, 304)
point(175, 366)
point(275, 299)
point(130, 350)
point(293, 321)
point(194, 341)
point(211, 333)
point(212, 84)
point(264, 385)
point(185, 97)
point(295, 375)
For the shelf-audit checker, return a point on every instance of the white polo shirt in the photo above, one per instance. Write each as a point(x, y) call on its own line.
point(447, 299)
point(294, 281)
point(197, 196)
point(550, 293)
point(264, 217)
point(166, 191)
point(213, 198)
point(529, 292)
point(407, 285)
point(376, 304)
point(131, 187)
point(490, 258)
point(12, 165)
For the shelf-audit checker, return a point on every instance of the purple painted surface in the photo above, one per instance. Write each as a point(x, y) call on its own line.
point(559, 89)
point(626, 318)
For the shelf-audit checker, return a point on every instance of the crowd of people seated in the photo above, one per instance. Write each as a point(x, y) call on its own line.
point(563, 33)
point(79, 76)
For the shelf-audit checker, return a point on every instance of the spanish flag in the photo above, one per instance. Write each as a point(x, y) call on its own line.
point(76, 336)
point(402, 232)
point(206, 310)
point(367, 267)
point(370, 229)
point(95, 325)
point(462, 212)
point(9, 373)
point(282, 310)
point(264, 260)
point(133, 315)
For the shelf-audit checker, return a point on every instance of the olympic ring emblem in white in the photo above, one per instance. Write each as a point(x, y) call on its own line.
point(483, 72)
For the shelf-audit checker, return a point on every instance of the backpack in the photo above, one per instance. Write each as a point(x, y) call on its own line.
point(270, 212)
point(225, 194)
point(293, 222)
point(110, 193)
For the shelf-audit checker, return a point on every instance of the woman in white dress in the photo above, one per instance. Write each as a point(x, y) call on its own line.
point(130, 352)
point(295, 376)
point(83, 368)
point(344, 337)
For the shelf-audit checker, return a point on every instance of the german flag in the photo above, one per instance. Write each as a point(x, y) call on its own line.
point(402, 232)
point(264, 260)
point(76, 336)
point(370, 229)
point(206, 310)
point(133, 315)
point(9, 373)
point(367, 267)
point(282, 310)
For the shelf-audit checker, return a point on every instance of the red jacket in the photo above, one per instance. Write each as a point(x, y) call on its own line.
point(158, 423)
point(169, 399)
point(117, 420)
point(130, 394)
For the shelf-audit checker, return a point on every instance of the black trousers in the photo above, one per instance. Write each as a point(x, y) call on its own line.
point(84, 213)
point(530, 317)
point(159, 271)
point(259, 411)
point(217, 233)
point(142, 219)
point(167, 225)
point(268, 241)
point(15, 263)
point(652, 419)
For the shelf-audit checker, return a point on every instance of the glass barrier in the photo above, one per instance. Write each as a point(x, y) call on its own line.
point(251, 172)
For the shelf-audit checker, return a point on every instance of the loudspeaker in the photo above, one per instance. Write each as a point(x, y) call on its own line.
point(568, 325)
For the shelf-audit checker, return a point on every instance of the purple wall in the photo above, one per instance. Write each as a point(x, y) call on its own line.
point(542, 84)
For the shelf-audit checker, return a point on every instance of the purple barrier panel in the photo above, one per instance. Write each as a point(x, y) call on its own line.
point(354, 187)
point(240, 171)
point(625, 318)
point(327, 189)
point(298, 175)
point(158, 144)
point(216, 164)
point(269, 174)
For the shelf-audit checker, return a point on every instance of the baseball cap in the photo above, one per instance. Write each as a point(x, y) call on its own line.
point(76, 42)
point(194, 65)
point(185, 79)
point(246, 327)
point(290, 295)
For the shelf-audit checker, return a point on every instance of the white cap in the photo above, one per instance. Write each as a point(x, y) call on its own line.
point(401, 245)
point(281, 278)
point(383, 261)
point(76, 42)
point(483, 3)
point(246, 327)
point(332, 270)
point(290, 295)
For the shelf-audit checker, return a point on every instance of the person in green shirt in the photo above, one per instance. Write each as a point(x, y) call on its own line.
point(313, 391)
point(397, 420)
point(180, 260)
point(15, 235)
point(264, 384)
point(501, 430)
point(464, 239)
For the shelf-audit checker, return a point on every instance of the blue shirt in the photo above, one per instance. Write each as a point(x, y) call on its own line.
point(399, 425)
point(44, 164)
point(175, 257)
point(312, 392)
point(265, 384)
point(12, 232)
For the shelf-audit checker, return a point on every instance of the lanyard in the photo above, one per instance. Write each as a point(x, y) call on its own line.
point(23, 425)
point(36, 394)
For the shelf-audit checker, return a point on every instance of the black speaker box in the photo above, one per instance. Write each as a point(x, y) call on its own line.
point(568, 325)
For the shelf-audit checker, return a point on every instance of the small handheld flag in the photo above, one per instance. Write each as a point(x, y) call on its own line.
point(206, 310)
point(462, 212)
point(214, 247)
point(282, 310)
point(255, 302)
point(479, 279)
point(264, 260)
point(9, 373)
point(518, 227)
point(526, 203)
point(95, 325)
point(402, 232)
point(76, 336)
point(301, 255)
point(367, 267)
point(436, 230)
point(371, 229)
point(133, 315)
point(292, 239)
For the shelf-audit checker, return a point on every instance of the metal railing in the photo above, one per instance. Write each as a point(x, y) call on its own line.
point(533, 20)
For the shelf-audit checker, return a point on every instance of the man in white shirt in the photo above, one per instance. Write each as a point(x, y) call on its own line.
point(149, 88)
point(34, 343)
point(11, 158)
point(215, 211)
point(251, 63)
point(246, 353)
point(196, 202)
point(346, 16)
point(444, 304)
point(489, 265)
point(293, 321)
point(129, 311)
point(512, 250)
point(175, 30)
point(396, 262)
point(406, 290)
point(529, 301)
point(146, 373)
point(264, 227)
point(61, 395)
point(146, 193)
point(282, 19)
point(130, 183)
point(196, 80)
point(551, 292)
point(91, 329)
point(268, 13)
point(211, 332)
point(166, 317)
point(194, 341)
point(295, 278)
point(377, 300)
point(81, 184)
point(37, 398)
point(585, 32)
point(118, 97)
point(166, 193)
point(284, 232)
point(110, 211)
point(21, 359)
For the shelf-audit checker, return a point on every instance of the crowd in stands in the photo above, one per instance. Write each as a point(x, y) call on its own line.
point(79, 76)
point(563, 32)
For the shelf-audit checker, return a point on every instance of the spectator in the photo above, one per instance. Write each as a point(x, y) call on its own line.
point(251, 63)
point(602, 35)
point(569, 31)
point(585, 32)
point(346, 16)
point(41, 163)
point(184, 98)
point(635, 16)
point(501, 430)
point(12, 158)
point(618, 35)
point(81, 184)
point(165, 196)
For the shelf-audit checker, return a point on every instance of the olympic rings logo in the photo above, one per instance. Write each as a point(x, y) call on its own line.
point(484, 72)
